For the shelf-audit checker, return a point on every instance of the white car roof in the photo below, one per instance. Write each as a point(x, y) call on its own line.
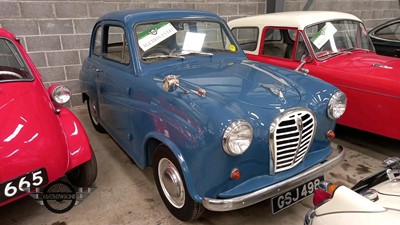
point(298, 19)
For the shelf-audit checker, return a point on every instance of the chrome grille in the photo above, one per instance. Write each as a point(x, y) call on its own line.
point(291, 135)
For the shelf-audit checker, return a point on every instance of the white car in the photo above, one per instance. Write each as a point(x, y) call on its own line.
point(373, 200)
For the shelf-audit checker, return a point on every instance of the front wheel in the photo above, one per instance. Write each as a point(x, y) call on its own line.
point(172, 186)
point(94, 116)
point(85, 174)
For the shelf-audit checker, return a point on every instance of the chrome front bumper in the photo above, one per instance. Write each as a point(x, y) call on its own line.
point(275, 189)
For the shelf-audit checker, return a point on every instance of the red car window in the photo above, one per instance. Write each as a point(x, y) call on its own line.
point(12, 65)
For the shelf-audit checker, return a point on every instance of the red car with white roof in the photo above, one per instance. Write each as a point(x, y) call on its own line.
point(335, 47)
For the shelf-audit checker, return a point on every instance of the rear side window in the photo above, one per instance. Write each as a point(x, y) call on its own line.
point(247, 37)
point(391, 32)
point(97, 42)
point(12, 65)
point(116, 45)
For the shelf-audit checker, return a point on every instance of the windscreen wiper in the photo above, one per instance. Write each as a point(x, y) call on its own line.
point(163, 57)
point(184, 53)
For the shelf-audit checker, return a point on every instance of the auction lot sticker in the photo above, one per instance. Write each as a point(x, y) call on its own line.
point(155, 34)
point(324, 35)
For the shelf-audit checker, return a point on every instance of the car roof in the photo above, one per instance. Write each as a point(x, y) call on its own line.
point(135, 16)
point(6, 33)
point(387, 23)
point(298, 19)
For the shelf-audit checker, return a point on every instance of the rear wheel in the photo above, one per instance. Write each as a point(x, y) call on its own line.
point(94, 116)
point(172, 186)
point(85, 174)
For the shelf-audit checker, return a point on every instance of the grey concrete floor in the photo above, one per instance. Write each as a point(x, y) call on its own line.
point(126, 194)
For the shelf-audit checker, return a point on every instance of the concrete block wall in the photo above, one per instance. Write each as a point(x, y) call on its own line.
point(56, 33)
point(372, 12)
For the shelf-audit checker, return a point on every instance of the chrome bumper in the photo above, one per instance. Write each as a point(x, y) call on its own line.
point(309, 217)
point(275, 189)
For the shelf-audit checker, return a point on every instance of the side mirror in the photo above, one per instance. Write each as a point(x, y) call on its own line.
point(393, 167)
point(305, 58)
point(392, 163)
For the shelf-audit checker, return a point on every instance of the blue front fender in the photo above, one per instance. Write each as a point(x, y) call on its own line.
point(179, 156)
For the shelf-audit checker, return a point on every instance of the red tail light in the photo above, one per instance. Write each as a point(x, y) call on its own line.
point(324, 192)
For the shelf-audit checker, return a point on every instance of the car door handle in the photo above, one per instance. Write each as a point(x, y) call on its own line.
point(96, 69)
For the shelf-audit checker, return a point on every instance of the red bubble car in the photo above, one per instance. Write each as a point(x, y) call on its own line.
point(40, 140)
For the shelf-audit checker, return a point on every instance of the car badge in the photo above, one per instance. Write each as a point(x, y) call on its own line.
point(299, 123)
point(154, 31)
point(382, 66)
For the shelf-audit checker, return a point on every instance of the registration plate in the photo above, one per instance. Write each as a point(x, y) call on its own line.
point(288, 198)
point(20, 185)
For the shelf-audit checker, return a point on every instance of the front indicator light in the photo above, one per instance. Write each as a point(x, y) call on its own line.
point(331, 134)
point(235, 174)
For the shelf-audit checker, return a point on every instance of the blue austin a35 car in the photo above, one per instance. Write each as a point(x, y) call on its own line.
point(176, 92)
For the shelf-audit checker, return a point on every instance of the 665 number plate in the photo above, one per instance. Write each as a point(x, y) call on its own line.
point(298, 193)
point(20, 185)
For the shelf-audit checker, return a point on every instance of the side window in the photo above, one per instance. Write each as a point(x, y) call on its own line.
point(301, 48)
point(391, 32)
point(280, 42)
point(275, 43)
point(247, 37)
point(12, 64)
point(116, 46)
point(97, 42)
point(273, 34)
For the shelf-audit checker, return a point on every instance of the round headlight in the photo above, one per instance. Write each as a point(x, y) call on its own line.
point(61, 94)
point(237, 137)
point(337, 105)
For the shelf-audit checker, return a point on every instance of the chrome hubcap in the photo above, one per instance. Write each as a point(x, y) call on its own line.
point(171, 183)
point(93, 112)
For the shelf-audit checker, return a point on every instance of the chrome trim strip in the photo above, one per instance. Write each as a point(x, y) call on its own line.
point(275, 189)
point(309, 217)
